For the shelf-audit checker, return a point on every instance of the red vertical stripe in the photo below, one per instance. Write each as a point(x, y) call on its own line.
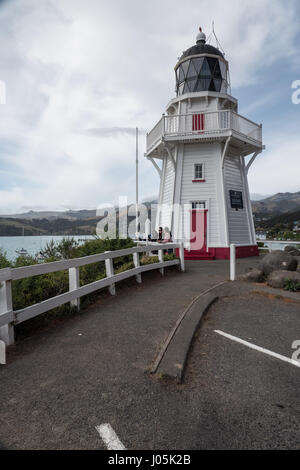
point(198, 123)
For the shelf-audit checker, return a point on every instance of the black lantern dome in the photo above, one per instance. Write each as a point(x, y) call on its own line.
point(203, 73)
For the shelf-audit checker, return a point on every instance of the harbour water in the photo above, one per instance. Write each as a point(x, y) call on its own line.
point(32, 244)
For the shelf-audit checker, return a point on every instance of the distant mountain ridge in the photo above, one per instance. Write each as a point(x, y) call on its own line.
point(76, 222)
point(52, 215)
point(277, 204)
point(83, 213)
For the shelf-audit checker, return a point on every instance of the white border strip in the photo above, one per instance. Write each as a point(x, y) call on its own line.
point(258, 348)
point(109, 437)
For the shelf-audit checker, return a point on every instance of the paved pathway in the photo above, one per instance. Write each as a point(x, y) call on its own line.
point(62, 382)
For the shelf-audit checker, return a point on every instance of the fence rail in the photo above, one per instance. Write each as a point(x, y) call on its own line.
point(9, 317)
point(271, 245)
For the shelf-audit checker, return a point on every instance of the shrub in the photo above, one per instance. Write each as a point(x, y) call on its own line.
point(35, 289)
point(4, 263)
point(292, 285)
point(170, 256)
point(149, 260)
point(125, 267)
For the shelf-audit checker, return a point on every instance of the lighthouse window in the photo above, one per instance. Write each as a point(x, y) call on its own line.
point(199, 173)
point(192, 72)
point(198, 204)
point(200, 74)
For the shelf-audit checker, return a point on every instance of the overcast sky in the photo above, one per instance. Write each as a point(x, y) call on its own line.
point(80, 75)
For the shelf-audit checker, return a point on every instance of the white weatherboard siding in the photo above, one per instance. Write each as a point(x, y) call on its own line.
point(238, 224)
point(167, 194)
point(209, 155)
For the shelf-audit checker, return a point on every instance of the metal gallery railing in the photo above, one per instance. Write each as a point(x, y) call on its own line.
point(213, 122)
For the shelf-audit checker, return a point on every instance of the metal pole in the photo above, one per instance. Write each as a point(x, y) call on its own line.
point(232, 262)
point(136, 178)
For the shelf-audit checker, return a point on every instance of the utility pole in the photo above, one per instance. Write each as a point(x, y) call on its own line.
point(137, 179)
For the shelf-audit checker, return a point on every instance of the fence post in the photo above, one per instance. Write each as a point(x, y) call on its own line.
point(74, 284)
point(109, 267)
point(2, 352)
point(136, 262)
point(232, 262)
point(161, 260)
point(181, 256)
point(7, 331)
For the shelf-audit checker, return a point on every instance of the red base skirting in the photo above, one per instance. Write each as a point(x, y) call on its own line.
point(221, 253)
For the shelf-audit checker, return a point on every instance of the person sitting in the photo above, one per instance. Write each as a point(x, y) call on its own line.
point(166, 236)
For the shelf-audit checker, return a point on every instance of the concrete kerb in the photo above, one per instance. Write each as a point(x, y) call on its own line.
point(172, 357)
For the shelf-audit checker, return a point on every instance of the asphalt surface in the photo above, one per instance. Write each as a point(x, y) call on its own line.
point(63, 381)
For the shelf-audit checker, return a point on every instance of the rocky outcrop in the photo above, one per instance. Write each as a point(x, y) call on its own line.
point(278, 278)
point(278, 261)
point(292, 250)
point(254, 275)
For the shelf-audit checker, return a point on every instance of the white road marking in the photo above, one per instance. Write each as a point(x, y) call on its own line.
point(109, 437)
point(258, 348)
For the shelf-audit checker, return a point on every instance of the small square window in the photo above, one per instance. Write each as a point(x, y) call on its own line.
point(198, 204)
point(199, 171)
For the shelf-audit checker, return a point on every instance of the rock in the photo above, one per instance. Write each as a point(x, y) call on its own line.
point(278, 260)
point(292, 250)
point(255, 275)
point(278, 278)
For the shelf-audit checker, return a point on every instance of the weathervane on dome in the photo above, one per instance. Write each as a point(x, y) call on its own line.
point(201, 37)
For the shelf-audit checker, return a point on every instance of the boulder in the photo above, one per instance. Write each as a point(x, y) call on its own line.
point(278, 278)
point(292, 250)
point(255, 275)
point(277, 261)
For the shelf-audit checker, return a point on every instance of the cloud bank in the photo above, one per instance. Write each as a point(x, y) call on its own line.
point(80, 77)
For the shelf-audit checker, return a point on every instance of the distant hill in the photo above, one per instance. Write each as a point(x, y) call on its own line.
point(82, 222)
point(278, 204)
point(52, 215)
point(69, 215)
point(16, 227)
point(287, 219)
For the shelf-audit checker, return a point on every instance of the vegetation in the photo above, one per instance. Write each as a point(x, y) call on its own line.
point(291, 285)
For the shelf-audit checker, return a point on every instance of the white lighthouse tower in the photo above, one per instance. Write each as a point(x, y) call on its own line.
point(202, 143)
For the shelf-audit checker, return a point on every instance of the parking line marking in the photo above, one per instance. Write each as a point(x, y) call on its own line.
point(109, 437)
point(258, 348)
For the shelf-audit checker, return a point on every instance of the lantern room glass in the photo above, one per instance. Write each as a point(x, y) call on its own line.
point(200, 74)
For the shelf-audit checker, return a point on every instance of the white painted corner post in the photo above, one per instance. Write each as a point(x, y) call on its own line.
point(232, 262)
point(74, 283)
point(2, 352)
point(136, 262)
point(6, 331)
point(161, 259)
point(109, 267)
point(181, 256)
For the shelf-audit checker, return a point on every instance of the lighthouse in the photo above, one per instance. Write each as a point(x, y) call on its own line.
point(202, 149)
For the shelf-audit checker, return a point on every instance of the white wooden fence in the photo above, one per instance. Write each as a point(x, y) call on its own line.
point(9, 317)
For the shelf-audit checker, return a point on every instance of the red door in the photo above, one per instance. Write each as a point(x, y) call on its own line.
point(198, 241)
